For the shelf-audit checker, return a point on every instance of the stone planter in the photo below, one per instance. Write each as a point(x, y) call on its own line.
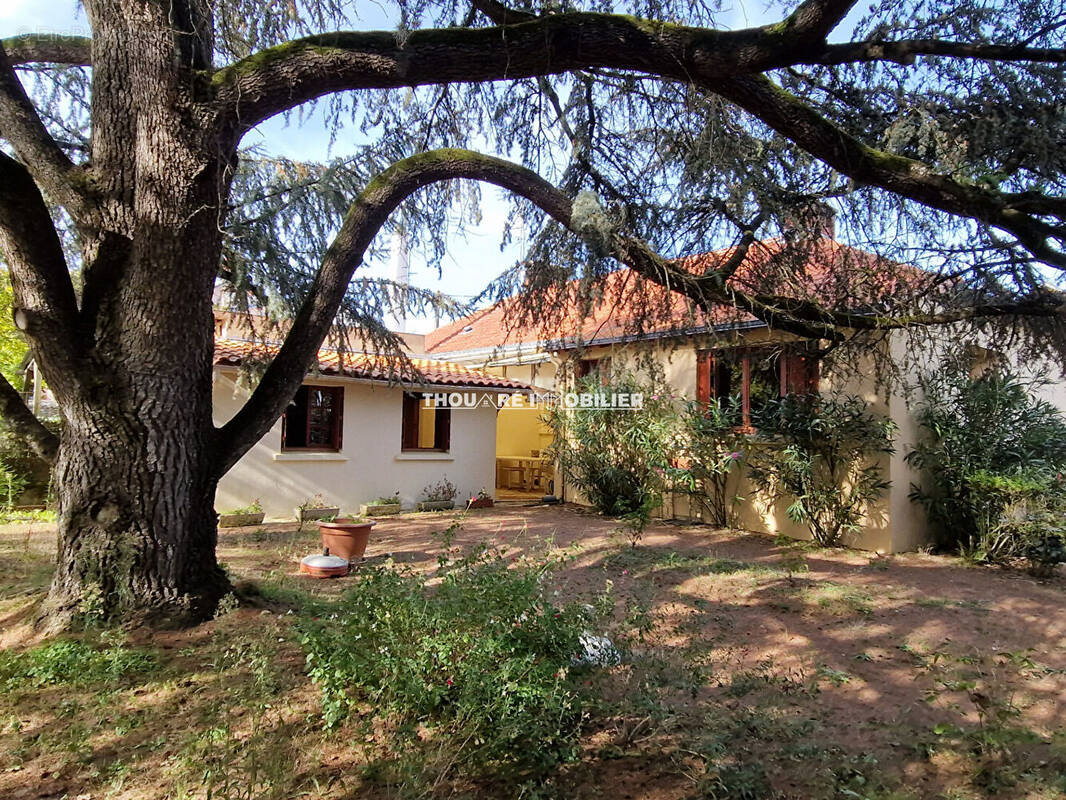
point(346, 538)
point(379, 509)
point(435, 505)
point(307, 514)
point(481, 502)
point(240, 520)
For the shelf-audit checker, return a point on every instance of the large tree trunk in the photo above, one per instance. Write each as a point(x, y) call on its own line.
point(137, 526)
point(138, 464)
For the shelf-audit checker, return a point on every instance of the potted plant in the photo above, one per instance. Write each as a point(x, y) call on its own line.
point(315, 508)
point(381, 506)
point(481, 500)
point(251, 514)
point(346, 537)
point(438, 496)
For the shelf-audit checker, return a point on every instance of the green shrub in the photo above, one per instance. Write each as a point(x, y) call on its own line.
point(711, 449)
point(625, 461)
point(71, 662)
point(479, 662)
point(822, 454)
point(617, 458)
point(991, 454)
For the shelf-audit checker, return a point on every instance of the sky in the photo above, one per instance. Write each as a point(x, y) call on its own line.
point(472, 260)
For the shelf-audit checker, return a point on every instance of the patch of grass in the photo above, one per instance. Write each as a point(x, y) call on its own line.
point(72, 662)
point(839, 600)
point(837, 677)
point(645, 560)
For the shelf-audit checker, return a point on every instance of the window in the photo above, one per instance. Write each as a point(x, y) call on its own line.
point(753, 377)
point(593, 366)
point(313, 420)
point(425, 427)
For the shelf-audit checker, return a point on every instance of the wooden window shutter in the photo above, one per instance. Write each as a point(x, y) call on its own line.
point(410, 421)
point(704, 370)
point(812, 374)
point(442, 432)
point(800, 374)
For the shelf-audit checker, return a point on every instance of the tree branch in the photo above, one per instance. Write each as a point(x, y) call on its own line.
point(48, 48)
point(905, 52)
point(501, 14)
point(724, 62)
point(283, 77)
point(20, 420)
point(361, 224)
point(814, 19)
point(790, 116)
point(45, 304)
point(20, 125)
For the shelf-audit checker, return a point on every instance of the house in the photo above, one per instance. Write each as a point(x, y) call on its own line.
point(356, 430)
point(724, 352)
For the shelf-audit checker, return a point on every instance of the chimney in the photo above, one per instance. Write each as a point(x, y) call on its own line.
point(813, 220)
point(401, 271)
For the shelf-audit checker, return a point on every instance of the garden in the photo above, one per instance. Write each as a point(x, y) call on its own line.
point(452, 664)
point(561, 651)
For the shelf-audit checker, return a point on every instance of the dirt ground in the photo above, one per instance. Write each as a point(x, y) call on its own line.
point(755, 669)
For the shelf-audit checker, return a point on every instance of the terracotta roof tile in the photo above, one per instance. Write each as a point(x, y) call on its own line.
point(234, 352)
point(831, 273)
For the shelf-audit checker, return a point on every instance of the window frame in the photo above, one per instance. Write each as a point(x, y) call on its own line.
point(798, 373)
point(600, 367)
point(410, 424)
point(336, 422)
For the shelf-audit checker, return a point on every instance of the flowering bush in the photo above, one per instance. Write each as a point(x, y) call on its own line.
point(479, 663)
point(625, 461)
point(254, 507)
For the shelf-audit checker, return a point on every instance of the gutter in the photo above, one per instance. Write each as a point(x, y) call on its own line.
point(539, 351)
point(451, 387)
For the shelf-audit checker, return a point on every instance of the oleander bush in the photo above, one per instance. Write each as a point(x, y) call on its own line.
point(822, 455)
point(625, 461)
point(992, 454)
point(617, 457)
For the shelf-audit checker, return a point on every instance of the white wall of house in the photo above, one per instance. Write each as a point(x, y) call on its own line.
point(370, 463)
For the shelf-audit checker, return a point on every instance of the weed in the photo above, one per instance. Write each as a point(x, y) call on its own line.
point(837, 677)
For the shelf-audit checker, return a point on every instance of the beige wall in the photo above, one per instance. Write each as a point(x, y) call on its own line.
point(894, 524)
point(520, 430)
point(369, 464)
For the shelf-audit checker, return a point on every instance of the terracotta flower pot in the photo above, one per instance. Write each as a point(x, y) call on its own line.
point(324, 566)
point(346, 538)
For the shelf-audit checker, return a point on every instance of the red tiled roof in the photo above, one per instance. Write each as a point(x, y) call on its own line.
point(828, 272)
point(234, 352)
